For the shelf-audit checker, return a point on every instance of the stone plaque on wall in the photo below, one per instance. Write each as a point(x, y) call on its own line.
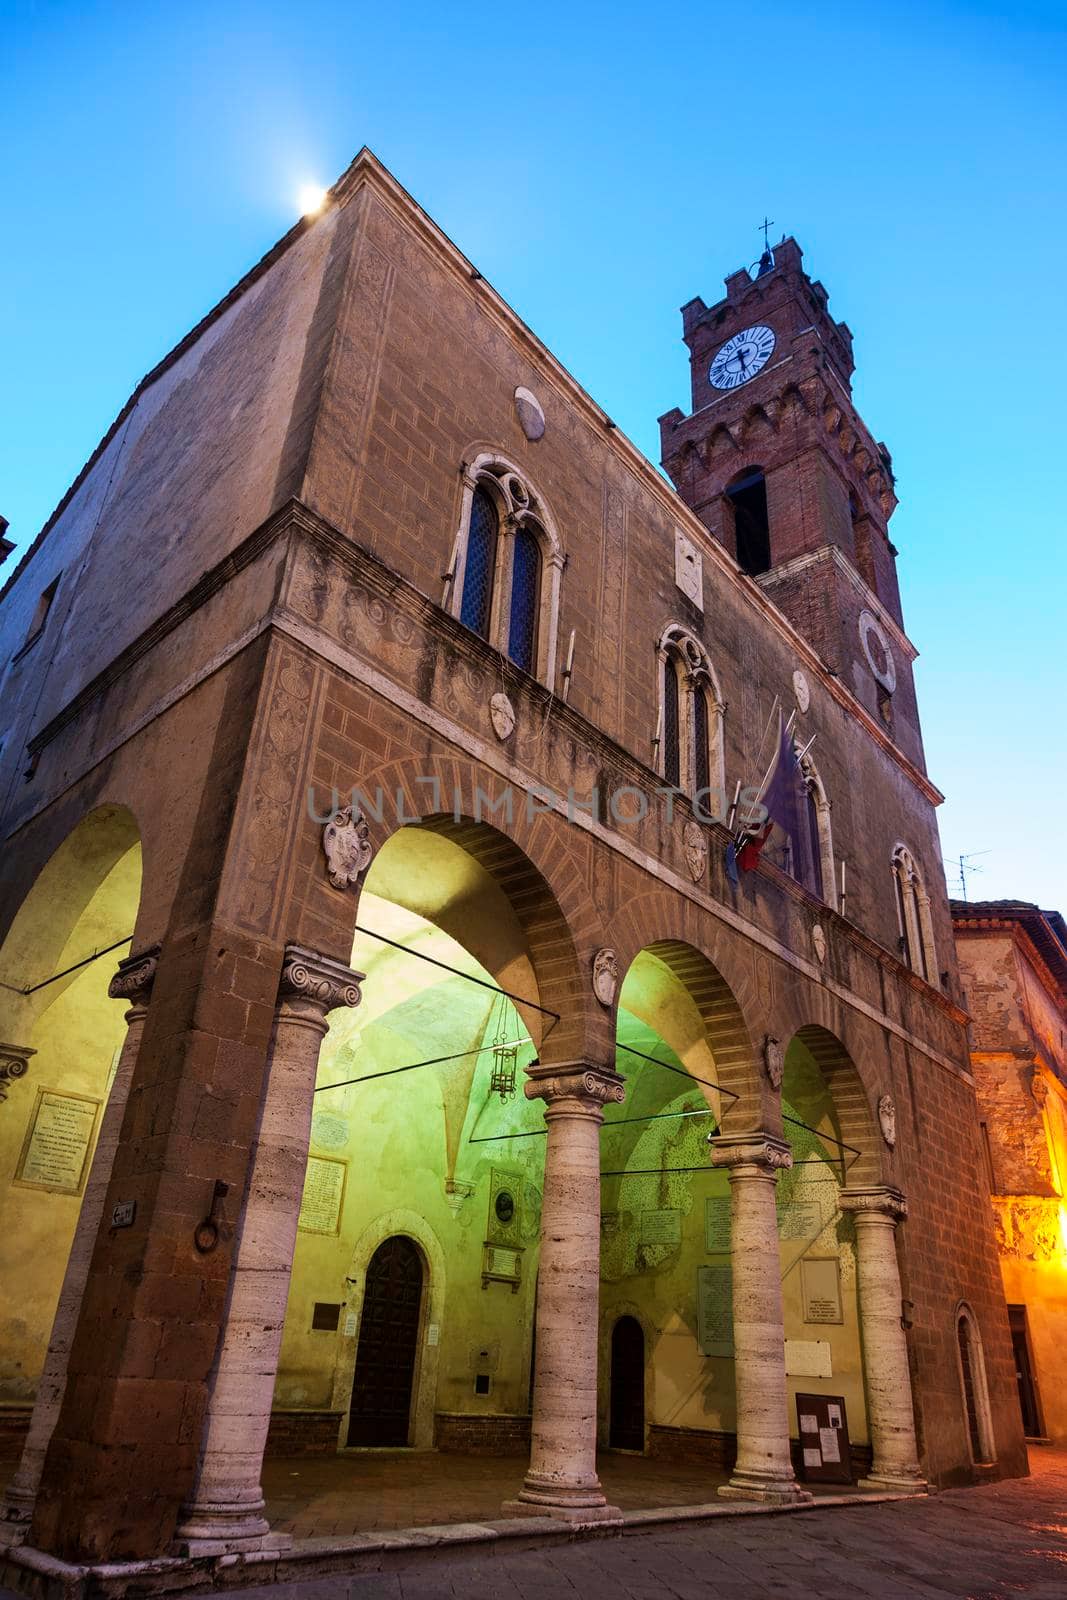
point(324, 1192)
point(55, 1152)
point(800, 1219)
point(717, 1224)
point(715, 1311)
point(660, 1227)
point(821, 1284)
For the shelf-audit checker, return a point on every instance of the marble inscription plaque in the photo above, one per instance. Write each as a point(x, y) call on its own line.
point(324, 1191)
point(55, 1154)
point(717, 1224)
point(801, 1219)
point(660, 1227)
point(821, 1285)
point(715, 1311)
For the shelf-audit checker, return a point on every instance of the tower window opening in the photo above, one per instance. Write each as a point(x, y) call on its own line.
point(748, 497)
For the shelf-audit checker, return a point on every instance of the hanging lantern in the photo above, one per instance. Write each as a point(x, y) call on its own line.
point(505, 1056)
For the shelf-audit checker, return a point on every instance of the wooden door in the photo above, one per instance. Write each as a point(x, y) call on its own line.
point(627, 1430)
point(388, 1346)
point(1024, 1373)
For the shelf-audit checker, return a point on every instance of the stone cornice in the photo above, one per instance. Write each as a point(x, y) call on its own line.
point(831, 552)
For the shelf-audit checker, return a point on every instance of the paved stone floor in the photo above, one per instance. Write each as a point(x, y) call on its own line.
point(1004, 1541)
point(373, 1490)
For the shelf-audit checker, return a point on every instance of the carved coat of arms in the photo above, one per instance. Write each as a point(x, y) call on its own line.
point(346, 841)
point(605, 976)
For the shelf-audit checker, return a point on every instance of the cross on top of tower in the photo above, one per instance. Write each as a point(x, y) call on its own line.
point(766, 260)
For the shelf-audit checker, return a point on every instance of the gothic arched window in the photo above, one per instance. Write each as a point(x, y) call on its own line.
point(480, 568)
point(690, 753)
point(505, 575)
point(973, 1383)
point(913, 913)
point(525, 596)
point(672, 749)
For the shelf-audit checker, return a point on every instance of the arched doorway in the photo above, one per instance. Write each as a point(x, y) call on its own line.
point(627, 1428)
point(388, 1346)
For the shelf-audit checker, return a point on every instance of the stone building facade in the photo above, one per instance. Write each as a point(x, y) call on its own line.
point(1013, 967)
point(361, 531)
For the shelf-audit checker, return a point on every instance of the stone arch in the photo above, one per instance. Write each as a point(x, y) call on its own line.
point(541, 867)
point(674, 934)
point(43, 916)
point(85, 899)
point(850, 1112)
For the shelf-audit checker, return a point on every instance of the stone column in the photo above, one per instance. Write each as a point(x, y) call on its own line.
point(562, 1480)
point(225, 1510)
point(895, 1466)
point(132, 983)
point(764, 1469)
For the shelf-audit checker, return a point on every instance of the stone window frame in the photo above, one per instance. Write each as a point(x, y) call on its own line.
point(678, 650)
point(818, 797)
point(983, 1411)
point(913, 916)
point(519, 505)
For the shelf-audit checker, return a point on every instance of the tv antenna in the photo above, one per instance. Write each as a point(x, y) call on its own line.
point(961, 865)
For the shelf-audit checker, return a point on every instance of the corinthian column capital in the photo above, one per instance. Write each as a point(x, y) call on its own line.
point(879, 1202)
point(762, 1152)
point(574, 1085)
point(311, 985)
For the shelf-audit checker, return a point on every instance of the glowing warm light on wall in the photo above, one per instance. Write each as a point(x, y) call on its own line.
point(312, 199)
point(1063, 1230)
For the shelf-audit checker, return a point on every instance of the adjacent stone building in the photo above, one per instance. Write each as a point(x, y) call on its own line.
point(1013, 967)
point(391, 722)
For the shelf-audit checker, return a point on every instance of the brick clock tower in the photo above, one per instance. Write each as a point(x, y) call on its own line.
point(778, 465)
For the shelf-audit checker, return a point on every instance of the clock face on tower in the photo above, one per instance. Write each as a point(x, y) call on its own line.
point(742, 357)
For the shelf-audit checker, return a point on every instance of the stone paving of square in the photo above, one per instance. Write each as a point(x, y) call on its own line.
point(995, 1542)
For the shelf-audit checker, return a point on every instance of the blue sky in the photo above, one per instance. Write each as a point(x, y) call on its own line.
point(602, 165)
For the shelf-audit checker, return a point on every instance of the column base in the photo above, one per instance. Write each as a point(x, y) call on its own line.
point(772, 1491)
point(226, 1530)
point(886, 1483)
point(14, 1528)
point(568, 1502)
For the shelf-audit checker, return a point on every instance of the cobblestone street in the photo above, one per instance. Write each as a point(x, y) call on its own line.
point(990, 1543)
